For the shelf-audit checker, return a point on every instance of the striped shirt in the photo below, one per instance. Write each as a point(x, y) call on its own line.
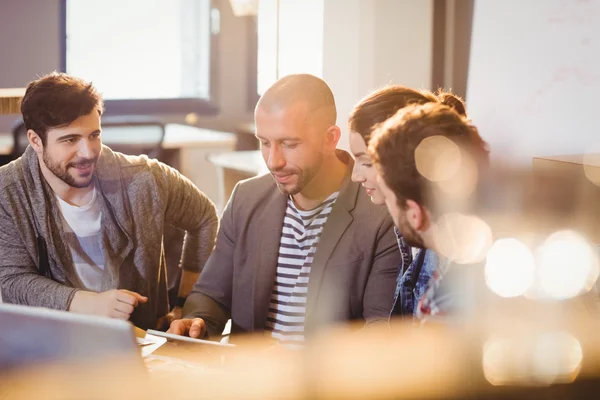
point(297, 246)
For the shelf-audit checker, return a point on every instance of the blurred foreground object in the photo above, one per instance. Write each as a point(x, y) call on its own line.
point(433, 362)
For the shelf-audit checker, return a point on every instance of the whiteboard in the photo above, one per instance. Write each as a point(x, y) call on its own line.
point(534, 76)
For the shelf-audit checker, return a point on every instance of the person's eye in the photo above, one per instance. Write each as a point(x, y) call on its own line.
point(367, 165)
point(290, 145)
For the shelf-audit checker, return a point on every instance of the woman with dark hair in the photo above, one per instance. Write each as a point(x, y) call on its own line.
point(418, 264)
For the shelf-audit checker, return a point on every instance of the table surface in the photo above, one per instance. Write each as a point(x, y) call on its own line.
point(243, 161)
point(12, 93)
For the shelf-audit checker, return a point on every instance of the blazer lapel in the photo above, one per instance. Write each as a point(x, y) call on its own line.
point(338, 221)
point(268, 252)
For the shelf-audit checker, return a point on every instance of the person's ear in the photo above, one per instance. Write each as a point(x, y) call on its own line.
point(332, 138)
point(417, 216)
point(35, 141)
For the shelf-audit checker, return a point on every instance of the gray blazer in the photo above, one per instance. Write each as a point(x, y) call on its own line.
point(139, 196)
point(353, 275)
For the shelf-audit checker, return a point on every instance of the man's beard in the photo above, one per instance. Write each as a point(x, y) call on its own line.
point(63, 173)
point(297, 188)
point(304, 176)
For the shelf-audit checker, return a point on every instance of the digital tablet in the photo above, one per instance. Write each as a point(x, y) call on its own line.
point(171, 336)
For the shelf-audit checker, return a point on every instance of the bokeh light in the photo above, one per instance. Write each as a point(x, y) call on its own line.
point(509, 268)
point(567, 265)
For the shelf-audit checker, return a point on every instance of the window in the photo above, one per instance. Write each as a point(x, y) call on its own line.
point(144, 54)
point(290, 39)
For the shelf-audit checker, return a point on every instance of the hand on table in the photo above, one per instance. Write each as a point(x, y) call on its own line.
point(194, 328)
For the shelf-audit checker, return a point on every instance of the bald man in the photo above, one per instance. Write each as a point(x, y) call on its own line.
point(301, 248)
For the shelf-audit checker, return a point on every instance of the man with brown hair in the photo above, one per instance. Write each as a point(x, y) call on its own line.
point(427, 156)
point(81, 227)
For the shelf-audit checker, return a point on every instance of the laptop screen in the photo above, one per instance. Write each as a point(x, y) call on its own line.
point(32, 335)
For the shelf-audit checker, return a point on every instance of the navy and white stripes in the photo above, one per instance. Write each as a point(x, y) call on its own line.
point(298, 244)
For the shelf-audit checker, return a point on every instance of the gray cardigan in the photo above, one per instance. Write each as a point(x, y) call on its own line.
point(353, 275)
point(139, 196)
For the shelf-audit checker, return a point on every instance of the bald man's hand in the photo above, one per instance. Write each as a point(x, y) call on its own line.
point(194, 328)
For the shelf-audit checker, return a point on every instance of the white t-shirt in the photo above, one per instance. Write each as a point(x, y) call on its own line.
point(82, 227)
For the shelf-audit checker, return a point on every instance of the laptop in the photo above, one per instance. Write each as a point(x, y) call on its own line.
point(32, 335)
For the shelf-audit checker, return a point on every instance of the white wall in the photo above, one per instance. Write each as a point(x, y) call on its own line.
point(534, 76)
point(356, 46)
point(348, 52)
point(368, 44)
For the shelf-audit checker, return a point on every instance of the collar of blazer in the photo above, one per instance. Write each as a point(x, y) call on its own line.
point(339, 220)
point(348, 190)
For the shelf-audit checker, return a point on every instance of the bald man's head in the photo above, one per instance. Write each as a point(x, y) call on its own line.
point(295, 124)
point(301, 90)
